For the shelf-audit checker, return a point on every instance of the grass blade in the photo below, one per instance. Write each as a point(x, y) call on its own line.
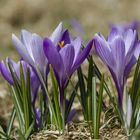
point(82, 92)
point(25, 102)
point(71, 100)
point(47, 93)
point(11, 121)
point(18, 108)
point(28, 132)
point(28, 92)
point(94, 105)
point(56, 99)
point(135, 93)
point(89, 89)
point(133, 89)
point(99, 108)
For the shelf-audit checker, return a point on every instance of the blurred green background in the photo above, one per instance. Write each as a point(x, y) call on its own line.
point(42, 16)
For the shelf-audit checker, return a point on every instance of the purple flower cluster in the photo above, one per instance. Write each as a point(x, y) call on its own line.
point(61, 50)
point(65, 53)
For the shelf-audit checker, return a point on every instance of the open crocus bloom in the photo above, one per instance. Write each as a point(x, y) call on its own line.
point(119, 53)
point(65, 58)
point(30, 47)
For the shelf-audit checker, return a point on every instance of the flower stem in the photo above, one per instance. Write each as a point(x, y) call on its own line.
point(62, 103)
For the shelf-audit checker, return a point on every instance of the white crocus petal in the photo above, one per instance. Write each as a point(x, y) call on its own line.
point(56, 35)
point(26, 38)
point(77, 43)
point(21, 49)
point(137, 51)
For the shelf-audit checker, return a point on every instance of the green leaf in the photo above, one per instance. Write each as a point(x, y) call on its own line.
point(52, 110)
point(134, 84)
point(3, 135)
point(30, 129)
point(94, 105)
point(25, 102)
point(56, 98)
point(18, 109)
point(22, 137)
point(11, 121)
point(135, 94)
point(82, 92)
point(16, 85)
point(113, 101)
point(99, 108)
point(28, 92)
point(89, 89)
point(71, 100)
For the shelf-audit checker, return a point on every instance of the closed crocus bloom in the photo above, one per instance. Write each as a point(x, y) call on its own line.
point(30, 47)
point(125, 26)
point(34, 81)
point(5, 71)
point(119, 52)
point(65, 58)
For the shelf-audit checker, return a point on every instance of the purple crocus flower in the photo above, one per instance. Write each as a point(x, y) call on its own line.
point(118, 52)
point(65, 58)
point(5, 71)
point(30, 47)
point(125, 26)
point(71, 114)
point(77, 26)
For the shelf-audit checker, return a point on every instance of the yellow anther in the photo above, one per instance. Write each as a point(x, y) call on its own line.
point(61, 44)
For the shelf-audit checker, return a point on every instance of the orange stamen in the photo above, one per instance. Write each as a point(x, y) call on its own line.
point(61, 44)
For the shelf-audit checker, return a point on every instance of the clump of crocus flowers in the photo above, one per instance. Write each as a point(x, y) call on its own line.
point(54, 59)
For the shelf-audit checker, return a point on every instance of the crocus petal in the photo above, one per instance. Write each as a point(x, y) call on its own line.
point(37, 49)
point(67, 54)
point(118, 86)
point(71, 115)
point(114, 32)
point(56, 35)
point(137, 51)
point(66, 37)
point(129, 66)
point(25, 37)
point(15, 66)
point(21, 49)
point(118, 52)
point(6, 72)
point(77, 26)
point(130, 38)
point(103, 50)
point(133, 45)
point(53, 57)
point(35, 83)
point(77, 43)
point(82, 56)
point(38, 52)
point(38, 116)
